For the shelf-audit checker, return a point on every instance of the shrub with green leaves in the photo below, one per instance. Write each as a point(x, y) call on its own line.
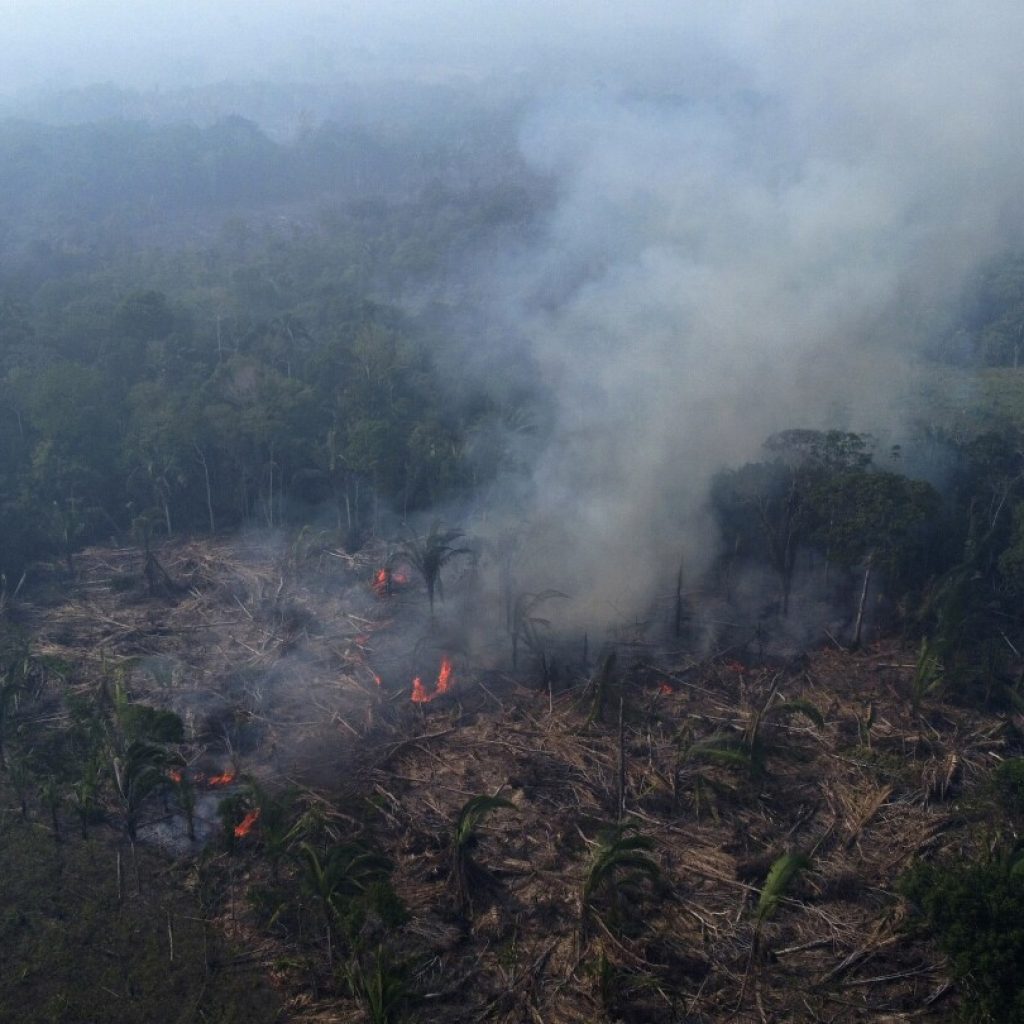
point(1008, 782)
point(976, 913)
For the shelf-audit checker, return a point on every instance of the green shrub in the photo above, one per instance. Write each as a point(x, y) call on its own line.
point(976, 913)
point(1008, 780)
point(142, 722)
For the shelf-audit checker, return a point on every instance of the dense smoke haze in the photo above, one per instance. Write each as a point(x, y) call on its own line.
point(765, 246)
point(759, 211)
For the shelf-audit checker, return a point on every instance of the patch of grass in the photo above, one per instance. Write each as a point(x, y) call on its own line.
point(1008, 783)
point(73, 952)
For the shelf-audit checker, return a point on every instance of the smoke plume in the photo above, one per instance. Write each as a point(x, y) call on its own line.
point(756, 239)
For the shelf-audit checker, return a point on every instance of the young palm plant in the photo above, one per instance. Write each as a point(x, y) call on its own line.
point(525, 626)
point(52, 798)
point(753, 737)
point(692, 760)
point(278, 829)
point(620, 862)
point(335, 879)
point(430, 554)
point(137, 773)
point(783, 873)
point(380, 985)
point(12, 685)
point(467, 873)
point(83, 794)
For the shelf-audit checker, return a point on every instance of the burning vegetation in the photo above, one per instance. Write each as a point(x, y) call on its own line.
point(693, 813)
point(725, 832)
point(245, 826)
point(420, 694)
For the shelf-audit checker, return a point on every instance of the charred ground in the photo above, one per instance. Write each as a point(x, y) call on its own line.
point(639, 808)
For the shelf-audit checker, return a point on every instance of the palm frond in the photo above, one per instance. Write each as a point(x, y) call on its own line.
point(783, 874)
point(797, 707)
point(472, 815)
point(619, 850)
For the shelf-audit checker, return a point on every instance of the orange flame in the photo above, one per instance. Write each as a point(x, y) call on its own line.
point(420, 694)
point(400, 578)
point(244, 827)
point(665, 689)
point(221, 780)
point(174, 775)
point(382, 582)
point(376, 679)
point(444, 676)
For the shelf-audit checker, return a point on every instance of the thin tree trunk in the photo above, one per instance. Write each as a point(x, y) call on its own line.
point(858, 626)
point(270, 487)
point(620, 808)
point(206, 479)
point(678, 630)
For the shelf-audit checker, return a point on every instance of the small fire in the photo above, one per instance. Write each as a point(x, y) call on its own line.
point(174, 775)
point(665, 689)
point(377, 679)
point(736, 666)
point(221, 780)
point(400, 578)
point(420, 694)
point(444, 676)
point(244, 827)
point(382, 582)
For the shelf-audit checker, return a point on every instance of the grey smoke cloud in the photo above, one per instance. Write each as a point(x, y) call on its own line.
point(755, 250)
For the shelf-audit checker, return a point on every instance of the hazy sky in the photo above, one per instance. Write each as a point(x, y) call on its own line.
point(145, 42)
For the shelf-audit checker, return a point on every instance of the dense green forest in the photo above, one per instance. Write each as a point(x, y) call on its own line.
point(269, 375)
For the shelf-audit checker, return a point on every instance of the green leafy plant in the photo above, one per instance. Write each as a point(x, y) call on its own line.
point(379, 983)
point(84, 792)
point(1008, 785)
point(526, 626)
point(52, 798)
point(429, 554)
point(620, 863)
point(754, 739)
point(601, 686)
point(12, 687)
point(279, 830)
point(781, 877)
point(928, 674)
point(783, 873)
point(138, 772)
point(337, 878)
point(976, 913)
point(693, 759)
point(466, 872)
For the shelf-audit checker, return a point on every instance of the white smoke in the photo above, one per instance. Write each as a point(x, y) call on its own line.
point(757, 243)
